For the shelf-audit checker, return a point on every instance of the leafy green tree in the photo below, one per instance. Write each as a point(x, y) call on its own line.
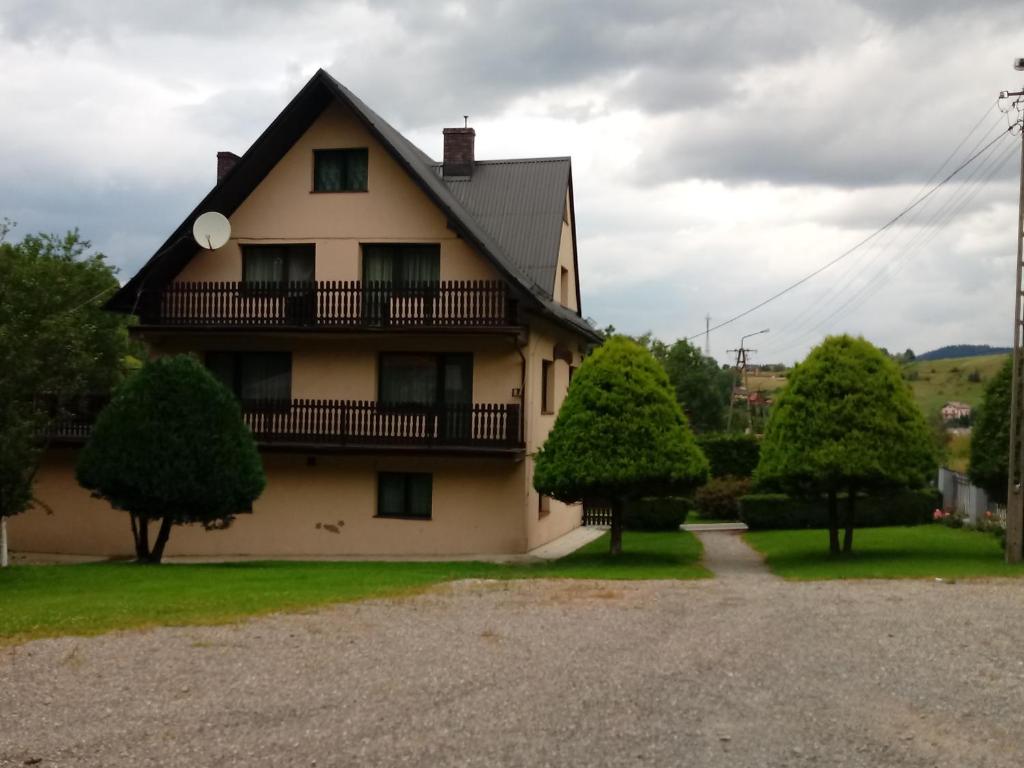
point(56, 343)
point(990, 438)
point(846, 421)
point(172, 447)
point(619, 435)
point(702, 387)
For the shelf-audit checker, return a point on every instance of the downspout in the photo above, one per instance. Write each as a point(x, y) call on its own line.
point(522, 387)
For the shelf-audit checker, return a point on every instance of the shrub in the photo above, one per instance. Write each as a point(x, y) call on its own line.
point(619, 435)
point(846, 422)
point(720, 498)
point(766, 511)
point(666, 513)
point(991, 436)
point(172, 448)
point(730, 455)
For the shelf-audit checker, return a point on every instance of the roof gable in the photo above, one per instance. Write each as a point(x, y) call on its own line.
point(517, 245)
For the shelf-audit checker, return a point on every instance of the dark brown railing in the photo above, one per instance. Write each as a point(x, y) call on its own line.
point(357, 423)
point(331, 304)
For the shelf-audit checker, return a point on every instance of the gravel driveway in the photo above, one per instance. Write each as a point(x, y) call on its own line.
point(731, 672)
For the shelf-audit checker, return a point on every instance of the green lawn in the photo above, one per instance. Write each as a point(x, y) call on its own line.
point(50, 600)
point(926, 551)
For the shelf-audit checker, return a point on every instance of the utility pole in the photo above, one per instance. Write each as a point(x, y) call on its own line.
point(741, 375)
point(707, 335)
point(1015, 464)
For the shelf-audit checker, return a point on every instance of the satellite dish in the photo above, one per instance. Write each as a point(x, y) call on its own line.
point(211, 230)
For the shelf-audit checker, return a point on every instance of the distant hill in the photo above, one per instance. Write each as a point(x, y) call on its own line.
point(963, 350)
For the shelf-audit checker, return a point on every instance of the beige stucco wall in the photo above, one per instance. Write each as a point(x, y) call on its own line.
point(566, 261)
point(543, 337)
point(346, 368)
point(321, 510)
point(284, 209)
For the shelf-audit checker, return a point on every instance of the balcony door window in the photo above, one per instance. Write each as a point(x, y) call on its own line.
point(426, 379)
point(278, 264)
point(258, 379)
point(438, 383)
point(402, 265)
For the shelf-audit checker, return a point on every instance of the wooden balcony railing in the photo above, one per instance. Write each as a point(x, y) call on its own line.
point(361, 423)
point(331, 304)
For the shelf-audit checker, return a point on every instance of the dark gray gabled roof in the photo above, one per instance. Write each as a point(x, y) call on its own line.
point(520, 256)
point(520, 203)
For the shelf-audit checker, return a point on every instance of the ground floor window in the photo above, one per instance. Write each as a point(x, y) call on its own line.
point(404, 494)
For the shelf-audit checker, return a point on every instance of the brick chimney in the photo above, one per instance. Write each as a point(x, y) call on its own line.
point(225, 162)
point(458, 151)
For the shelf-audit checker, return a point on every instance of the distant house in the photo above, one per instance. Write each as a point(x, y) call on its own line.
point(954, 410)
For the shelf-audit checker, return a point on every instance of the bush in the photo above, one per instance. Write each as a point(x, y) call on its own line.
point(720, 498)
point(657, 514)
point(767, 511)
point(730, 455)
point(172, 448)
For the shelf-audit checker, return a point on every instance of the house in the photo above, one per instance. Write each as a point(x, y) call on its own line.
point(953, 411)
point(400, 333)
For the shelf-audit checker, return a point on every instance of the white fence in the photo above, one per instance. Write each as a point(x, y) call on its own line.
point(958, 495)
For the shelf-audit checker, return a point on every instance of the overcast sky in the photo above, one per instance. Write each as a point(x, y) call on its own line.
point(722, 149)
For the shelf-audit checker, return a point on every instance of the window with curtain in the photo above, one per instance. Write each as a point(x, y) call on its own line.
point(425, 379)
point(340, 170)
point(402, 265)
point(408, 380)
point(261, 379)
point(278, 264)
point(404, 494)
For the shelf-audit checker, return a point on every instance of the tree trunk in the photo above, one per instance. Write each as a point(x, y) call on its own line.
point(161, 541)
point(3, 541)
point(833, 522)
point(616, 537)
point(140, 532)
point(850, 502)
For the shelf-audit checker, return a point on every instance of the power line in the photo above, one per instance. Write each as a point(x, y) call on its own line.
point(947, 211)
point(881, 244)
point(969, 187)
point(856, 246)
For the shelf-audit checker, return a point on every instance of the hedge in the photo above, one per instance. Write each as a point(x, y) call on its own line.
point(720, 498)
point(657, 514)
point(730, 455)
point(764, 511)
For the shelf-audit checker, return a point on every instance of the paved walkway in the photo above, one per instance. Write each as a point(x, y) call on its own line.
point(553, 550)
point(730, 558)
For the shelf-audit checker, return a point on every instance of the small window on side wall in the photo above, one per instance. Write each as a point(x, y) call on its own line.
point(547, 386)
point(340, 170)
point(404, 494)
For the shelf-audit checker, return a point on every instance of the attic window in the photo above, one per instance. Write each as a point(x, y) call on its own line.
point(339, 170)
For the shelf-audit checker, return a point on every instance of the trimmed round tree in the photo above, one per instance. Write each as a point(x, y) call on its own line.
point(619, 435)
point(846, 421)
point(171, 447)
point(990, 438)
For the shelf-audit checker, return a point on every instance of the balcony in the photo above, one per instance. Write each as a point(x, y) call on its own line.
point(331, 305)
point(363, 426)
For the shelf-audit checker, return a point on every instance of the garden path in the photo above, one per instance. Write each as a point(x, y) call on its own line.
point(730, 558)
